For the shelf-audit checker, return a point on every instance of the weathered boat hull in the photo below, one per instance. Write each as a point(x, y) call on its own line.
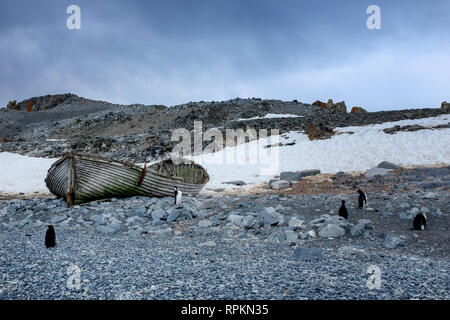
point(80, 179)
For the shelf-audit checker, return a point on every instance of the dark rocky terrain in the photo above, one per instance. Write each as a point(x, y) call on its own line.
point(137, 133)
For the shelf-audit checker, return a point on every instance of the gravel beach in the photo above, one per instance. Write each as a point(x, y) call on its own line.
point(264, 246)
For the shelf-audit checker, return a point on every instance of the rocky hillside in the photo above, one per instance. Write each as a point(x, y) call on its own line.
point(50, 125)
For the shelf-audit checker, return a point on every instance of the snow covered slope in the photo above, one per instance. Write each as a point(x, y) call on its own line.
point(360, 151)
point(365, 148)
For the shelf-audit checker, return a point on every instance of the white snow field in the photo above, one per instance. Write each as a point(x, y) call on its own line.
point(23, 174)
point(255, 164)
point(360, 151)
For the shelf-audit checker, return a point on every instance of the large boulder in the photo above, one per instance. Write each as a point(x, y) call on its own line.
point(339, 107)
point(389, 166)
point(332, 231)
point(290, 176)
point(320, 104)
point(319, 131)
point(280, 184)
point(271, 217)
point(445, 105)
point(356, 110)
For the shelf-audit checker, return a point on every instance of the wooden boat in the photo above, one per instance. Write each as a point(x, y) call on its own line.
point(79, 179)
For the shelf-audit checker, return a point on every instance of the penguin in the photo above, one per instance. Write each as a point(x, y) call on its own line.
point(362, 199)
point(177, 194)
point(50, 237)
point(420, 222)
point(343, 211)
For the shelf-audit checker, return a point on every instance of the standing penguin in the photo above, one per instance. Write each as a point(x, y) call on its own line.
point(420, 222)
point(343, 210)
point(177, 196)
point(50, 237)
point(362, 199)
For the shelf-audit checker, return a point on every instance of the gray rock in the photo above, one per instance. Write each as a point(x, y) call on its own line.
point(207, 244)
point(362, 227)
point(308, 235)
point(280, 184)
point(307, 173)
point(291, 236)
point(249, 222)
point(296, 224)
point(377, 172)
point(431, 195)
point(392, 242)
point(332, 231)
point(141, 211)
point(158, 214)
point(235, 219)
point(174, 215)
point(204, 223)
point(271, 217)
point(290, 176)
point(388, 165)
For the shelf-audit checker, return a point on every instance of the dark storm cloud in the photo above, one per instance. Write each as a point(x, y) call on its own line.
point(172, 52)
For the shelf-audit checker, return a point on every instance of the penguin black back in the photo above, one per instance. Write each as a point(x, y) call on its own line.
point(420, 222)
point(50, 237)
point(362, 199)
point(343, 210)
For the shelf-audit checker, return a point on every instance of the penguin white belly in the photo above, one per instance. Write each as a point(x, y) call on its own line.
point(179, 196)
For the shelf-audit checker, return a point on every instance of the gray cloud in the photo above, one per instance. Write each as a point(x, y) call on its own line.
point(177, 51)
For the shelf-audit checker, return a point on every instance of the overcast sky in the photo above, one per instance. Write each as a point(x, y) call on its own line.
point(172, 52)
